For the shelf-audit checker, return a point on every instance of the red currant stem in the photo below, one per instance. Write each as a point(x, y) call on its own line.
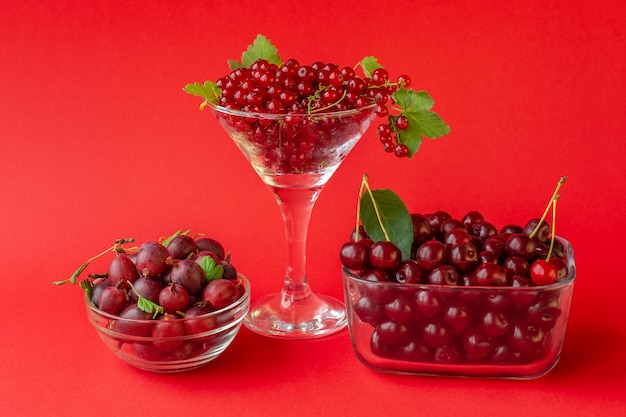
point(552, 199)
point(328, 106)
point(376, 210)
point(553, 231)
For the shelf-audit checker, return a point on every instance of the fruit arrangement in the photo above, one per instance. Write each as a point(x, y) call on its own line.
point(262, 83)
point(433, 289)
point(168, 300)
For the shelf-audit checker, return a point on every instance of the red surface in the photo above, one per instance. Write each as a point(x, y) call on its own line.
point(98, 142)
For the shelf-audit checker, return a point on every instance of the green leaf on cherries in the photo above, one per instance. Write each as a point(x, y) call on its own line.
point(261, 48)
point(211, 269)
point(423, 122)
point(394, 216)
point(369, 64)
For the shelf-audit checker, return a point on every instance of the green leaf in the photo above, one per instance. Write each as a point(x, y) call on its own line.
point(233, 64)
point(413, 101)
point(167, 241)
point(211, 269)
point(87, 286)
point(369, 64)
point(423, 122)
point(394, 216)
point(148, 306)
point(261, 48)
point(207, 90)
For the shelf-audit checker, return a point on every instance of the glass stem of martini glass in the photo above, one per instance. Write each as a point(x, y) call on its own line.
point(296, 205)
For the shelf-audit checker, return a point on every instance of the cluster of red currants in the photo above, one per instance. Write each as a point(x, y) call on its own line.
point(292, 88)
point(429, 320)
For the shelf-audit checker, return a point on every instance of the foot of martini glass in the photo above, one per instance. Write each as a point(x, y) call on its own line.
point(295, 155)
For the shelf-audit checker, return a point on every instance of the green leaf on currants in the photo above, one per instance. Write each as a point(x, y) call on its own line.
point(261, 48)
point(389, 209)
point(423, 122)
point(369, 64)
point(208, 90)
point(211, 269)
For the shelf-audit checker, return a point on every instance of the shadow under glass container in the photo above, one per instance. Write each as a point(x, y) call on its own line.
point(295, 155)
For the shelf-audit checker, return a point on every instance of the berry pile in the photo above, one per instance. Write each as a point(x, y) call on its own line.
point(435, 321)
point(262, 83)
point(467, 293)
point(172, 286)
point(292, 88)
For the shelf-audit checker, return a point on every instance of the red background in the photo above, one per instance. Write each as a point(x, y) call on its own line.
point(99, 142)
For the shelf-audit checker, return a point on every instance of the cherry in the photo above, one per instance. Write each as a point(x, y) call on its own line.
point(421, 229)
point(493, 323)
point(490, 275)
point(385, 255)
point(435, 333)
point(430, 254)
point(519, 244)
point(543, 272)
point(471, 218)
point(443, 275)
point(542, 234)
point(393, 333)
point(368, 310)
point(561, 268)
point(516, 265)
point(476, 345)
point(409, 272)
point(428, 303)
point(458, 316)
point(400, 309)
point(375, 291)
point(354, 255)
point(463, 256)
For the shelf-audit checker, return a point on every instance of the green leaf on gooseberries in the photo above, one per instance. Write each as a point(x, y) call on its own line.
point(416, 106)
point(87, 286)
point(369, 64)
point(394, 216)
point(261, 48)
point(146, 305)
point(207, 90)
point(212, 270)
point(167, 241)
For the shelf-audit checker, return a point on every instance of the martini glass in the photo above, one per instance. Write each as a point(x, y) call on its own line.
point(295, 155)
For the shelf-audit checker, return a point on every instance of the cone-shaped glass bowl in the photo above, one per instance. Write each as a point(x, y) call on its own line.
point(295, 155)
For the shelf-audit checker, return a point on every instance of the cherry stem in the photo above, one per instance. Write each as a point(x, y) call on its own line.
point(365, 184)
point(553, 231)
point(550, 203)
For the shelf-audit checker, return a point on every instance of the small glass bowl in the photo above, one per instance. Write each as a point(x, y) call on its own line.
point(206, 336)
point(469, 331)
